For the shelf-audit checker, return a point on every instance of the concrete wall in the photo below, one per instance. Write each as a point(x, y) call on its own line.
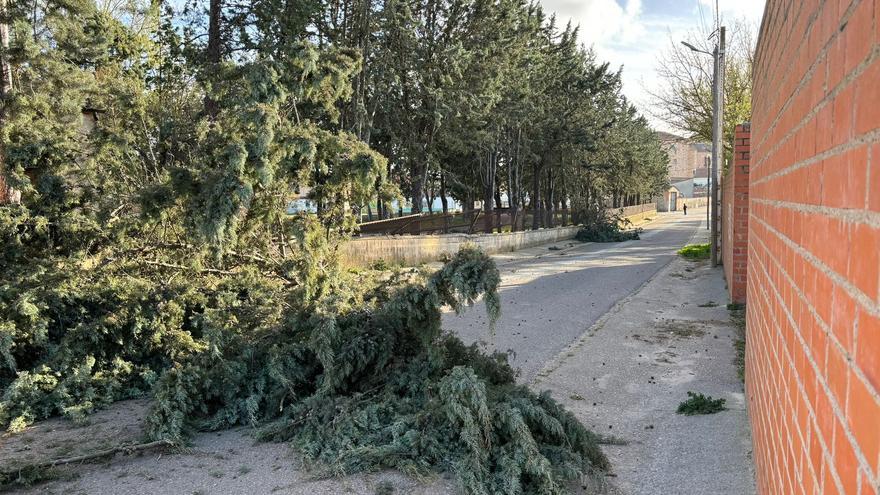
point(735, 217)
point(813, 343)
point(415, 249)
point(638, 213)
point(691, 203)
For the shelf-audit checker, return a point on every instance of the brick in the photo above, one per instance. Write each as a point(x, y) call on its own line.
point(844, 179)
point(837, 376)
point(843, 318)
point(845, 462)
point(842, 117)
point(863, 411)
point(864, 260)
point(868, 347)
point(858, 34)
point(867, 95)
point(873, 185)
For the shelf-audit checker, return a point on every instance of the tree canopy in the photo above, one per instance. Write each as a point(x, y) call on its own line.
point(684, 100)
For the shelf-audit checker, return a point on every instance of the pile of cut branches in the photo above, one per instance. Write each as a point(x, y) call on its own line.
point(607, 226)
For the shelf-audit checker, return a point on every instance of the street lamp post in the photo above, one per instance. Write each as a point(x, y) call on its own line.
point(708, 188)
point(717, 129)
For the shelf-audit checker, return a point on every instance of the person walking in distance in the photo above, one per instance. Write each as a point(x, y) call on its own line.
point(685, 208)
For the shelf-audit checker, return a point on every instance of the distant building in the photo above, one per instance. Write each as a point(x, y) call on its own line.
point(668, 201)
point(685, 156)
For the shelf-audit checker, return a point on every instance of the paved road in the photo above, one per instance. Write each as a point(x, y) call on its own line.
point(549, 298)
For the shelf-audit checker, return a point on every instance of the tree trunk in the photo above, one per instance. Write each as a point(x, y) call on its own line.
point(512, 197)
point(468, 206)
point(5, 68)
point(213, 53)
point(489, 192)
point(7, 194)
point(444, 202)
point(535, 200)
point(418, 186)
point(549, 201)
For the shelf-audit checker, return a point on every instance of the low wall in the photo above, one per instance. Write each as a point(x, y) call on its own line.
point(692, 202)
point(735, 217)
point(412, 250)
point(638, 213)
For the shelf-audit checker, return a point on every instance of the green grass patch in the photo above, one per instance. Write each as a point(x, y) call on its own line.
point(700, 404)
point(695, 252)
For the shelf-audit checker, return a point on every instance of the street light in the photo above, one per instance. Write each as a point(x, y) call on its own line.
point(717, 109)
point(693, 48)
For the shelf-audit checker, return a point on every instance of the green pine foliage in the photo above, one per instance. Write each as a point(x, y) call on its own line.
point(604, 226)
point(700, 404)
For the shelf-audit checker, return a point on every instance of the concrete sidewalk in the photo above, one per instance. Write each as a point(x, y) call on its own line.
point(627, 374)
point(552, 294)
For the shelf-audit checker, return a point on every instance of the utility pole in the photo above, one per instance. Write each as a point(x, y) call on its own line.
point(707, 164)
point(717, 131)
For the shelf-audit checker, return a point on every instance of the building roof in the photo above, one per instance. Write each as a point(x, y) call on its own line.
point(667, 136)
point(686, 187)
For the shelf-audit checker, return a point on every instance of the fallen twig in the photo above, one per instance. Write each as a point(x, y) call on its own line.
point(127, 449)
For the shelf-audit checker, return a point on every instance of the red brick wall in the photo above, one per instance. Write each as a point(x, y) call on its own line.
point(735, 216)
point(813, 343)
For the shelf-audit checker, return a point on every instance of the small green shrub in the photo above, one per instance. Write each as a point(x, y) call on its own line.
point(380, 265)
point(695, 252)
point(700, 404)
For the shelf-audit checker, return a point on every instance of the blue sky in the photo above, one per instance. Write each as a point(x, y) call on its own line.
point(633, 33)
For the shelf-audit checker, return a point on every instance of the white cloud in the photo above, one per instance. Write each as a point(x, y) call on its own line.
point(622, 33)
point(751, 10)
point(600, 19)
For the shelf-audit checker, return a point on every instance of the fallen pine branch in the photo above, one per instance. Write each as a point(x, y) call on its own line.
point(126, 449)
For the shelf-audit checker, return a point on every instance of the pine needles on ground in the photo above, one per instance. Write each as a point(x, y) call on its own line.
point(700, 404)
